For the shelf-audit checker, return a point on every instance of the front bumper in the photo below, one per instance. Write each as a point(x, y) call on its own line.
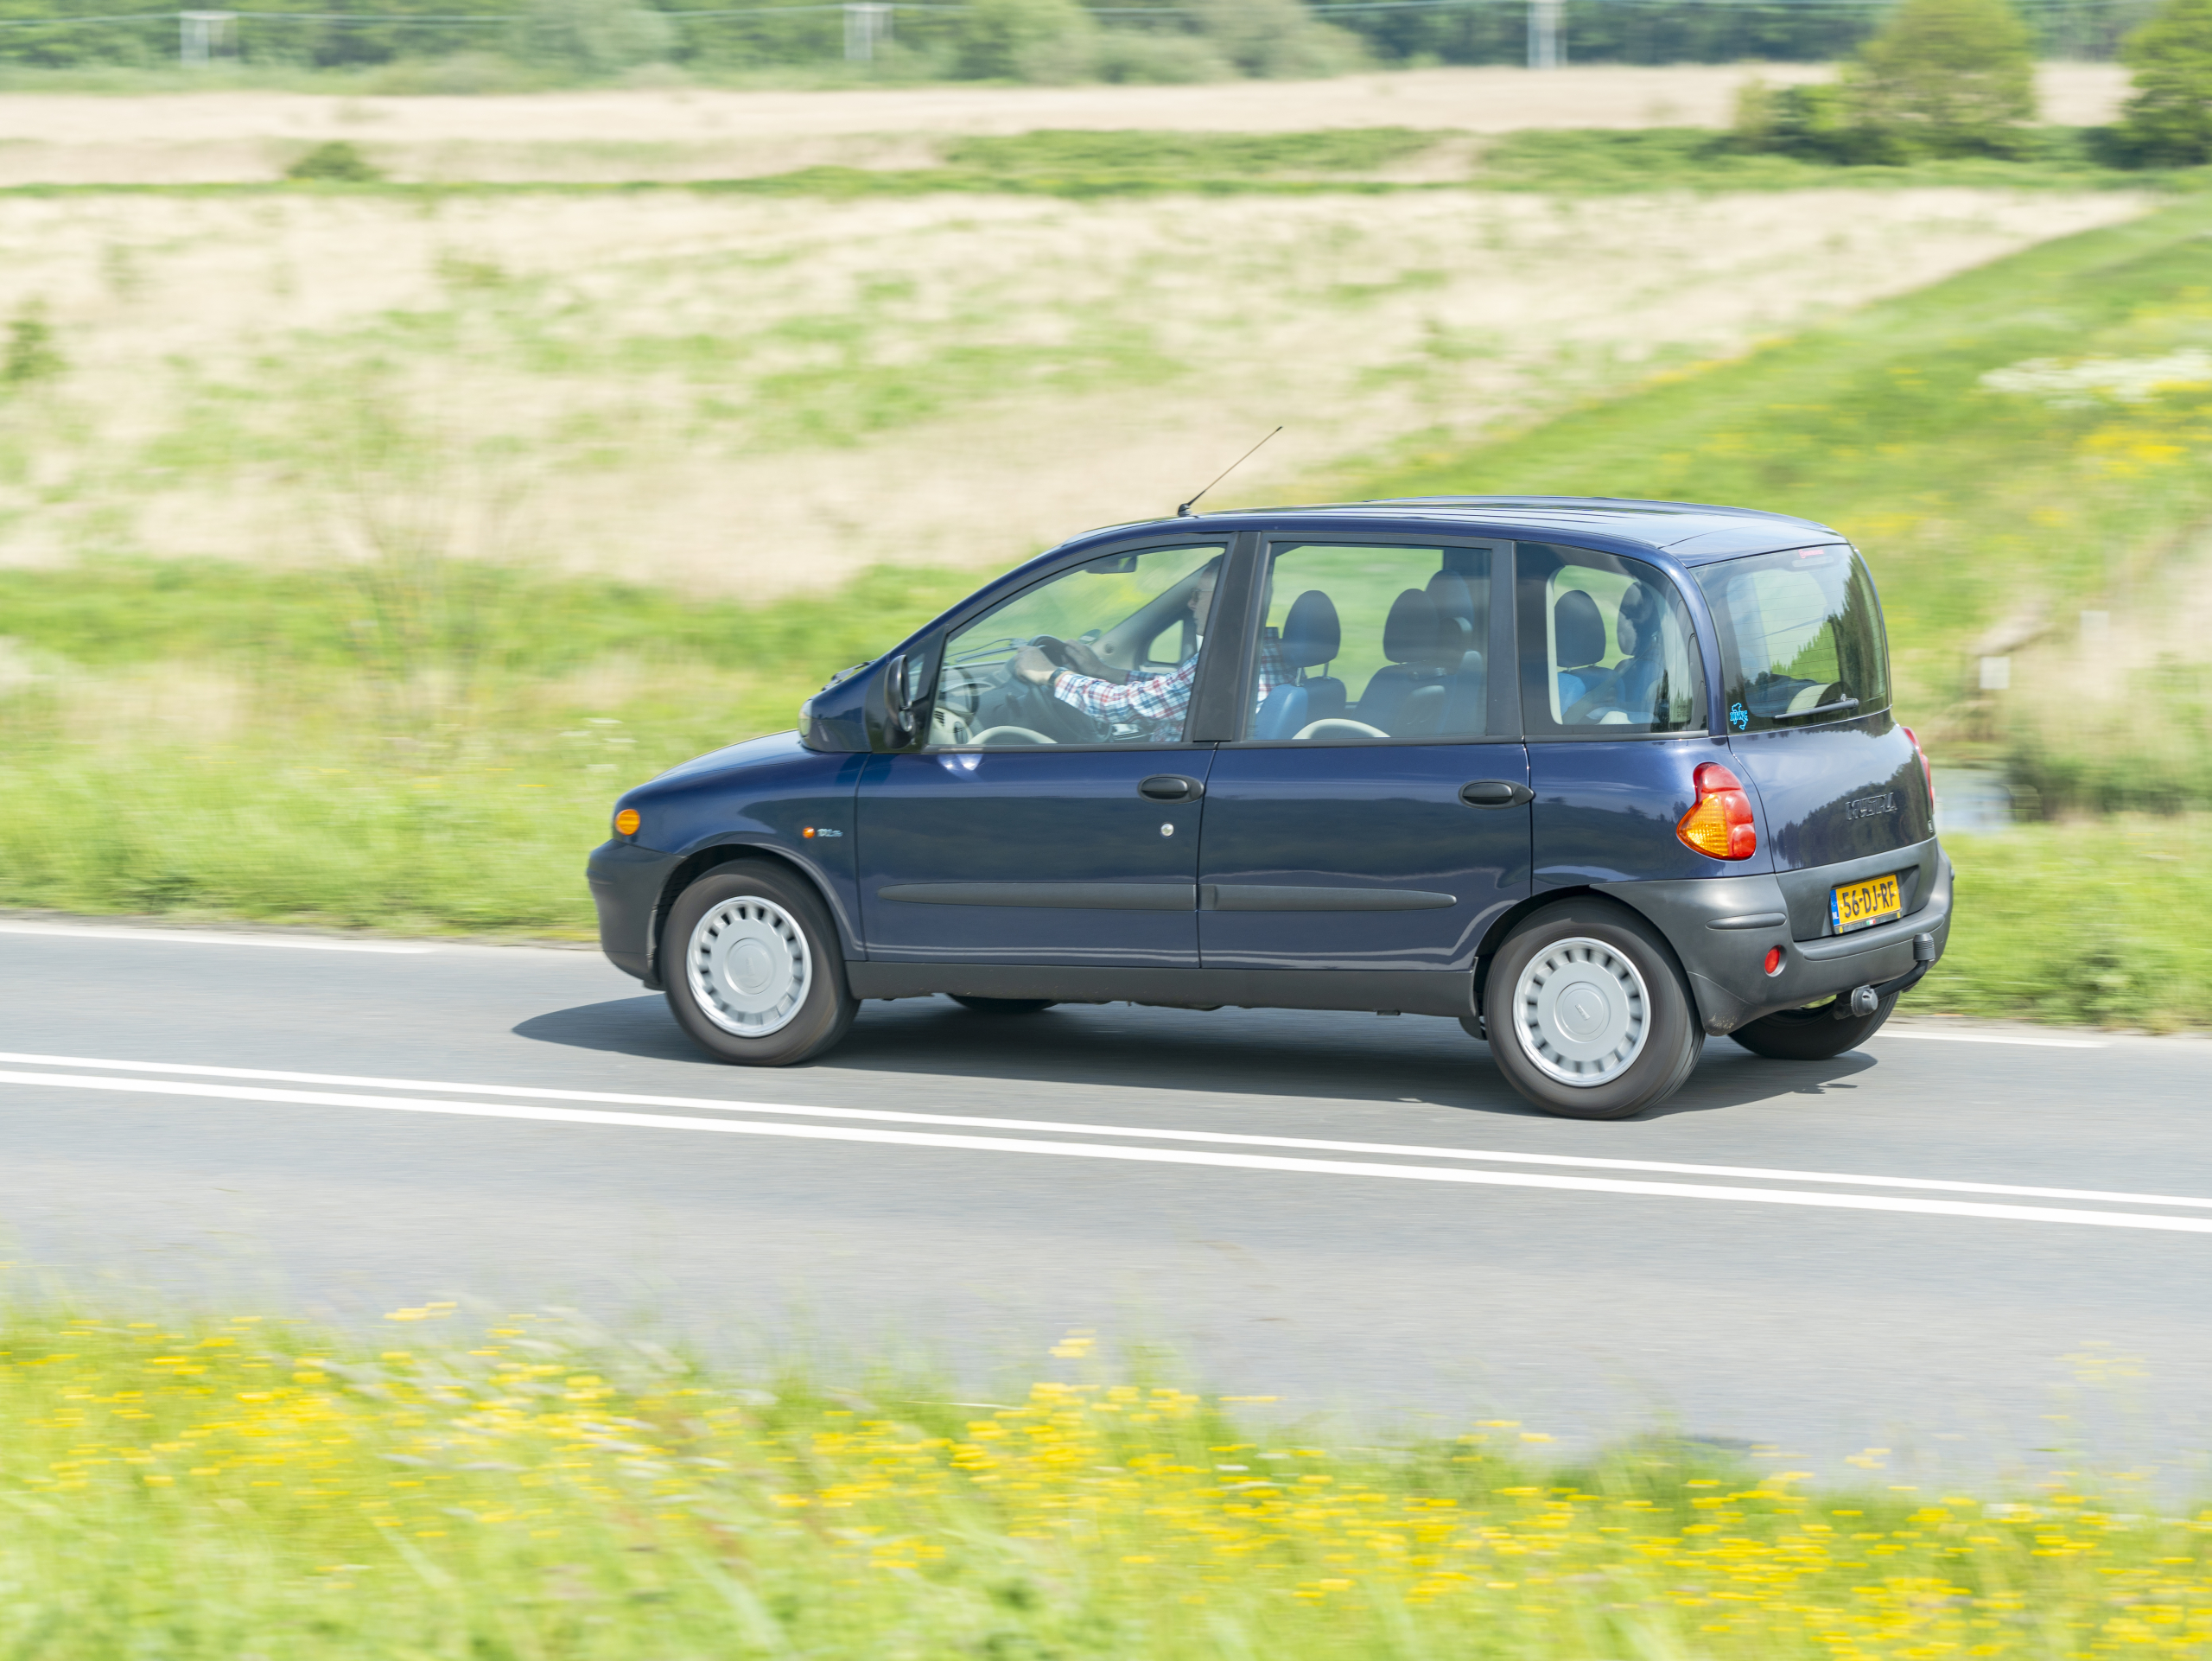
point(627, 883)
point(1722, 928)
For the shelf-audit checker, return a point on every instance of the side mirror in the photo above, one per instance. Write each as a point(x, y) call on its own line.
point(896, 696)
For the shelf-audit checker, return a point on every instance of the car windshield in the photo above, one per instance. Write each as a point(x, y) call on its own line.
point(1801, 638)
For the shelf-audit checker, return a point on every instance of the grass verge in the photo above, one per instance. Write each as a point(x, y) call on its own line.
point(537, 1489)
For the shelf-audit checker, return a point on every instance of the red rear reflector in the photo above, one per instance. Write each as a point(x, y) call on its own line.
point(1927, 771)
point(1720, 822)
point(1773, 960)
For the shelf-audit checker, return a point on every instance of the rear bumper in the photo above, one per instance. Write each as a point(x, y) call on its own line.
point(1722, 927)
point(627, 883)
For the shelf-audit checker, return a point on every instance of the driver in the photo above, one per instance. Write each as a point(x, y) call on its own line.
point(1157, 701)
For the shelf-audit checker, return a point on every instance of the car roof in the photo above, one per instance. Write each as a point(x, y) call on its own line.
point(1689, 533)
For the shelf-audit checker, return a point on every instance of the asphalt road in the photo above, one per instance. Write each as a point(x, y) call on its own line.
point(426, 1130)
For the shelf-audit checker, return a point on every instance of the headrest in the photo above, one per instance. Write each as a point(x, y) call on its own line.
point(1310, 634)
point(1578, 630)
point(1455, 610)
point(1638, 624)
point(1409, 631)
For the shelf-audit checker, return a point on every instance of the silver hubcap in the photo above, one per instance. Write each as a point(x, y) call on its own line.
point(1580, 1012)
point(749, 967)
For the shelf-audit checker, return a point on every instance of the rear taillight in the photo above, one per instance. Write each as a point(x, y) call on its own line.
point(1720, 821)
point(1927, 770)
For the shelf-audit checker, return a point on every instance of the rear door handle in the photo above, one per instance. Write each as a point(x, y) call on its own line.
point(1170, 787)
point(1495, 792)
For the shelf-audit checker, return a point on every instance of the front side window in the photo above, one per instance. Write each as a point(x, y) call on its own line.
point(1801, 638)
point(1105, 653)
point(1365, 643)
point(1606, 643)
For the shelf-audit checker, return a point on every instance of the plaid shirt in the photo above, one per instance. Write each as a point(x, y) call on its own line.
point(1159, 700)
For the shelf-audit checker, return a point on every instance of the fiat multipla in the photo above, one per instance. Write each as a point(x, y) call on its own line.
point(1595, 778)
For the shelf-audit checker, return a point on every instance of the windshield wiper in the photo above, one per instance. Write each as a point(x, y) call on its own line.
point(1817, 709)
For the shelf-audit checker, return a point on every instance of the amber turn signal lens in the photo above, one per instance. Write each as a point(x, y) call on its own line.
point(1719, 823)
point(626, 822)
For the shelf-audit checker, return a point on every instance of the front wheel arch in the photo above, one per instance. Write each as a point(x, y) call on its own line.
point(734, 853)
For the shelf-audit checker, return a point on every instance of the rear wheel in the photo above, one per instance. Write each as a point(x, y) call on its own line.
point(1813, 1034)
point(1588, 1016)
point(753, 966)
point(1002, 1006)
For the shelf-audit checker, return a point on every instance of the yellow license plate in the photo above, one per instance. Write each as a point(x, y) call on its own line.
point(1861, 905)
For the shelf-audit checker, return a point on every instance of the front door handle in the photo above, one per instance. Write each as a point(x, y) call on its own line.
point(1495, 792)
point(1170, 787)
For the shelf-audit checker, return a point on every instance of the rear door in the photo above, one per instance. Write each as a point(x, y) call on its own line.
point(1374, 813)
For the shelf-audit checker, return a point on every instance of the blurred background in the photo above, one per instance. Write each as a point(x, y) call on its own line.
point(418, 424)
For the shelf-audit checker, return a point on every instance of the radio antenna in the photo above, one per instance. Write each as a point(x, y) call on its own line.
point(1184, 512)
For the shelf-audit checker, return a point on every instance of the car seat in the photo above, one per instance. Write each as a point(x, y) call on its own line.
point(1311, 638)
point(1578, 646)
point(1639, 632)
point(1460, 633)
point(1409, 641)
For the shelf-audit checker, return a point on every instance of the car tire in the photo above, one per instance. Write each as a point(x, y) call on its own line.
point(1813, 1034)
point(1002, 1006)
point(752, 967)
point(1588, 1013)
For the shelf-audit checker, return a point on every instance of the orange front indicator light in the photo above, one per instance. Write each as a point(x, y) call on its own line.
point(808, 831)
point(626, 822)
point(1719, 823)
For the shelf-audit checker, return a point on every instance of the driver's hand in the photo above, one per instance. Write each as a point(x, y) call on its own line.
point(1033, 666)
point(1085, 661)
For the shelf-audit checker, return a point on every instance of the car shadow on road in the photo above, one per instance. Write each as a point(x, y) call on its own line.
point(1325, 1055)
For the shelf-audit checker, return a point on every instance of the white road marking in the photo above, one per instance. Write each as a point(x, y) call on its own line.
point(1990, 1037)
point(2120, 1219)
point(216, 937)
point(1146, 1133)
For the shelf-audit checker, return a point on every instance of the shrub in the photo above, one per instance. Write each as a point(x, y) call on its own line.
point(598, 37)
point(1277, 39)
point(998, 37)
point(31, 354)
point(2169, 120)
point(1168, 60)
point(1814, 124)
point(337, 162)
point(1946, 78)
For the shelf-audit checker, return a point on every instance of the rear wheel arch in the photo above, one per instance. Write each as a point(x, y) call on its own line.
point(713, 859)
point(1501, 930)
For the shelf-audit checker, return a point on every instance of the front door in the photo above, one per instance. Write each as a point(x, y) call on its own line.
point(1051, 814)
point(1376, 814)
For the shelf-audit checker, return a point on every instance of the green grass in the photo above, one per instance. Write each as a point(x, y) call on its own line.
point(1081, 165)
point(2092, 921)
point(411, 749)
point(529, 1488)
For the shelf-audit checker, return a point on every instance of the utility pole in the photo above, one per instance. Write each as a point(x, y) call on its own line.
point(868, 22)
point(1546, 50)
point(197, 33)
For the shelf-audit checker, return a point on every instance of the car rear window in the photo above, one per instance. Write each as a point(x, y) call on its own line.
point(1801, 638)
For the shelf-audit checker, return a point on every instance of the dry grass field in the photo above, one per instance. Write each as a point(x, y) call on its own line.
point(752, 396)
point(696, 132)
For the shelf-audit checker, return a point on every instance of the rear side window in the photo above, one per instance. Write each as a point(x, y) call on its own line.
point(1606, 645)
point(1801, 638)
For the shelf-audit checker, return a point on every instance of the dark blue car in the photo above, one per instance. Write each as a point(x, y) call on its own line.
point(1594, 778)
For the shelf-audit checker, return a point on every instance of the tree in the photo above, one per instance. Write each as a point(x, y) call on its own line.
point(2170, 117)
point(1946, 77)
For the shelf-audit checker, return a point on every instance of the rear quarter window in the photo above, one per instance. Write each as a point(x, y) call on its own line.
point(1802, 639)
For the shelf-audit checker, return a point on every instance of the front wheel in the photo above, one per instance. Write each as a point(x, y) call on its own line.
point(1588, 1016)
point(1813, 1034)
point(753, 971)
